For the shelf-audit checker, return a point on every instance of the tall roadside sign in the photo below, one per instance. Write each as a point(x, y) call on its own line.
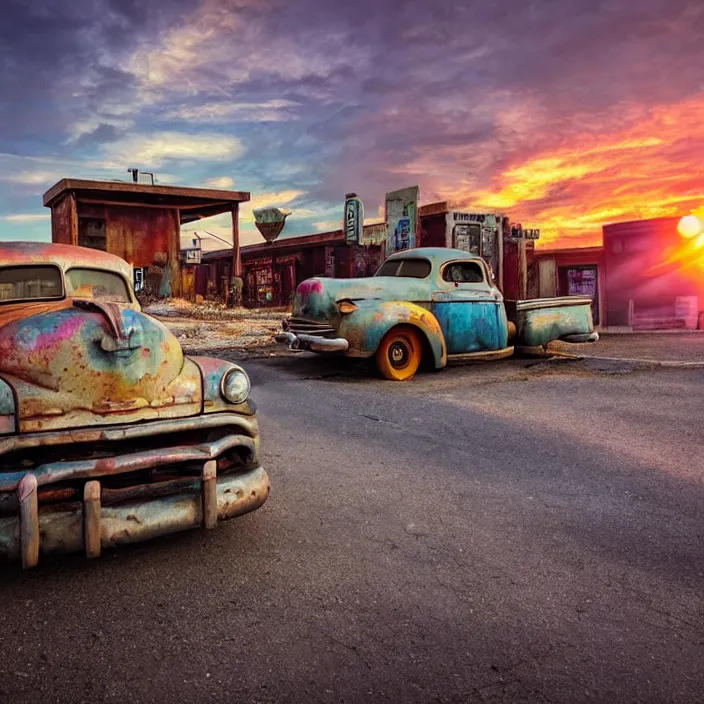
point(402, 219)
point(354, 219)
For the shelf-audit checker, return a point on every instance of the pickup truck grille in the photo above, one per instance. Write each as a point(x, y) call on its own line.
point(300, 326)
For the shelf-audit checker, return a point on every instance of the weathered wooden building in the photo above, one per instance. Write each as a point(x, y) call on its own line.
point(140, 223)
point(271, 271)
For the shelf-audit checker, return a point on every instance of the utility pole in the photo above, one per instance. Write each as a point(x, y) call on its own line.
point(236, 275)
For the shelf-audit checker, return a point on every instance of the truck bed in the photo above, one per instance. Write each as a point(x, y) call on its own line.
point(539, 321)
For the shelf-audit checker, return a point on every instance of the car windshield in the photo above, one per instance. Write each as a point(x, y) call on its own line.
point(96, 285)
point(26, 283)
point(410, 268)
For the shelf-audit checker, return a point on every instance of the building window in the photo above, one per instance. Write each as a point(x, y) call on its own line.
point(467, 238)
point(583, 281)
point(91, 233)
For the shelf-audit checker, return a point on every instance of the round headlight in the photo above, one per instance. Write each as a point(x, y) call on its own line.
point(235, 386)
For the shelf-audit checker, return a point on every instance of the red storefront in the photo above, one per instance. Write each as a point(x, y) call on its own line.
point(270, 280)
point(271, 272)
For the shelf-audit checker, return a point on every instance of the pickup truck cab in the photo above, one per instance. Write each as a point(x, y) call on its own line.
point(427, 305)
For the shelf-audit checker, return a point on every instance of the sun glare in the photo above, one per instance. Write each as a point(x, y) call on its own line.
point(690, 226)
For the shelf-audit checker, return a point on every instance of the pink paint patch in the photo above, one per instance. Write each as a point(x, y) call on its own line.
point(65, 331)
point(305, 288)
point(7, 424)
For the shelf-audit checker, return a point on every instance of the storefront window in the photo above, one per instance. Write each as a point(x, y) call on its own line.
point(583, 281)
point(467, 238)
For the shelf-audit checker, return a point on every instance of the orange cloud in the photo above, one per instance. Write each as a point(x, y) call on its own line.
point(651, 169)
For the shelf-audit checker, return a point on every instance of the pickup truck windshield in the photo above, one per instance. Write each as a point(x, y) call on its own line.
point(95, 285)
point(410, 268)
point(26, 283)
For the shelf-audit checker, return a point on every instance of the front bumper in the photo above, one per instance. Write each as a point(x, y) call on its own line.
point(135, 513)
point(312, 343)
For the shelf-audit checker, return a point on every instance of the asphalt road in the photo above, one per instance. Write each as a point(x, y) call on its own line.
point(668, 346)
point(498, 533)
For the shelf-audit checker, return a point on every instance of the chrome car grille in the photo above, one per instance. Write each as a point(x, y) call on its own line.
point(301, 326)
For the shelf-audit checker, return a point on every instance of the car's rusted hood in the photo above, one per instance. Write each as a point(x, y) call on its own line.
point(317, 298)
point(73, 364)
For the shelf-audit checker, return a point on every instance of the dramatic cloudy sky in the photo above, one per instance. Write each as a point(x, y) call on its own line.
point(563, 113)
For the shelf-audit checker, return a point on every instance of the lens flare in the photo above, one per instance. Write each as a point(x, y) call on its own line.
point(690, 226)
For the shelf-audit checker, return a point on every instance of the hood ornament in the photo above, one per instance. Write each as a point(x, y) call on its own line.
point(121, 338)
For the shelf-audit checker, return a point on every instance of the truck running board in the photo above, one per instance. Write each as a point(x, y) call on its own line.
point(481, 356)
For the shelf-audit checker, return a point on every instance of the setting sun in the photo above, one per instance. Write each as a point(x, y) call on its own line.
point(690, 226)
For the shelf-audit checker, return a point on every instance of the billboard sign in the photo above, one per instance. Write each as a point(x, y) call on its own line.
point(354, 219)
point(402, 219)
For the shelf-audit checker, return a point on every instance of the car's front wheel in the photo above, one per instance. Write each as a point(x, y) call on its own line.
point(399, 354)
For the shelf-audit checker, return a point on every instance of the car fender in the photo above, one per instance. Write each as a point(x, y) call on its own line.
point(365, 327)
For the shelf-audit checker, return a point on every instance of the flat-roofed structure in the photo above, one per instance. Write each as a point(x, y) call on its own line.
point(140, 223)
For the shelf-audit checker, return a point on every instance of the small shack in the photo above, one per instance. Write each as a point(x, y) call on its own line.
point(140, 223)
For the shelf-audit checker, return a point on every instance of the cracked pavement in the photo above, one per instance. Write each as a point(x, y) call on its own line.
point(522, 531)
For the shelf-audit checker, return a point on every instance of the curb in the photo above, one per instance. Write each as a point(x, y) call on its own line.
point(624, 333)
point(653, 362)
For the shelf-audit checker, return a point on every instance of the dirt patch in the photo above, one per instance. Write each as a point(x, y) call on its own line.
point(211, 311)
point(212, 326)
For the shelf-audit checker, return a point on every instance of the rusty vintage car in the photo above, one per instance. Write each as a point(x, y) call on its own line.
point(109, 434)
point(428, 304)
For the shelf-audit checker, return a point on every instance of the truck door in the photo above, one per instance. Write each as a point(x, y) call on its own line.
point(466, 308)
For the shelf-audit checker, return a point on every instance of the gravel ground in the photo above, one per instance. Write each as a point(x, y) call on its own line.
point(211, 327)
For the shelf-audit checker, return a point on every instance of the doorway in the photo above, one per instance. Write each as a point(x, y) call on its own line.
point(584, 281)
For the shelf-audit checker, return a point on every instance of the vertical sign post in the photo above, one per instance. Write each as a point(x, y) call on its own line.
point(402, 219)
point(354, 219)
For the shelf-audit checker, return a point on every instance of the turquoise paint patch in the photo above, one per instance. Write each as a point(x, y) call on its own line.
point(470, 326)
point(131, 364)
point(212, 379)
point(7, 400)
point(540, 326)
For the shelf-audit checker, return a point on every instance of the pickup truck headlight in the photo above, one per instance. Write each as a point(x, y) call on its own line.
point(346, 306)
point(235, 386)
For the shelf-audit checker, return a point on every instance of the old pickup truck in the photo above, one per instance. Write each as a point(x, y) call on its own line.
point(109, 434)
point(427, 305)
